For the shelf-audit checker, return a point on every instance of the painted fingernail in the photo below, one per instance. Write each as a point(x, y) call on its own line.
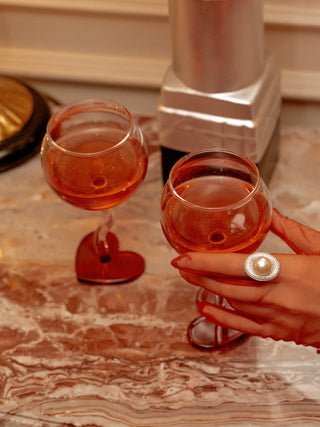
point(181, 261)
point(201, 306)
point(175, 262)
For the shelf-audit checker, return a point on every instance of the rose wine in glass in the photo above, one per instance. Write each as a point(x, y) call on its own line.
point(214, 201)
point(94, 157)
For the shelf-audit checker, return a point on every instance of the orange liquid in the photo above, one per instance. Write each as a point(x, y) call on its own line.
point(189, 227)
point(97, 181)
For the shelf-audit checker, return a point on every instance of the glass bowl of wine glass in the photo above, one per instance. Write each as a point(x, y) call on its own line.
point(94, 157)
point(214, 201)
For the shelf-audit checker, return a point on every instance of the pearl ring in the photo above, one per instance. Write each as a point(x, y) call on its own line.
point(262, 266)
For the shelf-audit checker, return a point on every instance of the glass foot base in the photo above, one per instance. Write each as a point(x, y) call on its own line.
point(206, 335)
point(121, 267)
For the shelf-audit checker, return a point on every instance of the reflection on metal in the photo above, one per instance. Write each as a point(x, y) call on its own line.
point(16, 107)
point(222, 90)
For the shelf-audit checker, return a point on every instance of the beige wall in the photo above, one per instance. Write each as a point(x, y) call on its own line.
point(121, 48)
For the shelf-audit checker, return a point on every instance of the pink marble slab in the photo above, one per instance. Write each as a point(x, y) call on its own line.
point(80, 355)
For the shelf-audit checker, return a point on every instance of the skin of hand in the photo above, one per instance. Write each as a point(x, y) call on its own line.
point(285, 308)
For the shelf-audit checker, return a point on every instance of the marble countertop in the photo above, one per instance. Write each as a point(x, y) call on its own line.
point(78, 355)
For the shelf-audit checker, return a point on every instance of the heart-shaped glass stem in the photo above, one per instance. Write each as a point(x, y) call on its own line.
point(207, 335)
point(100, 261)
point(214, 201)
point(94, 157)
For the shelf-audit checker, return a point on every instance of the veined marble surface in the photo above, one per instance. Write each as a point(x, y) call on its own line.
point(80, 355)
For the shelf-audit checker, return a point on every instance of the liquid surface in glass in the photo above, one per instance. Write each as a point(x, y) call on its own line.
point(210, 217)
point(103, 178)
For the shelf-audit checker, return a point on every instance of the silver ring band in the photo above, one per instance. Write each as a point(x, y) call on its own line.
point(262, 266)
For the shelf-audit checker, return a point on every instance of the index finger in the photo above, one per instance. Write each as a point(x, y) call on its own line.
point(219, 264)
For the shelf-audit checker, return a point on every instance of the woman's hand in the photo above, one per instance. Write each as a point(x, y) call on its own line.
point(286, 308)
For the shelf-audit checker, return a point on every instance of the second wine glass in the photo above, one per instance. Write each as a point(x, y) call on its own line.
point(94, 157)
point(214, 201)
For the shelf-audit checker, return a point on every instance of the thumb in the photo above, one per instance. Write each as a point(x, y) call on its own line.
point(300, 238)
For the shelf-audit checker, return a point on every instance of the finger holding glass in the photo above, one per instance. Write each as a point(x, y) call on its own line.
point(283, 308)
point(214, 202)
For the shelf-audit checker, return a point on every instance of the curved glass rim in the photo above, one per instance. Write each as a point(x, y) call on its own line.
point(234, 154)
point(94, 102)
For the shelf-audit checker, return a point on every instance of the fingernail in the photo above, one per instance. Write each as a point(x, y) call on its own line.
point(175, 263)
point(201, 305)
point(180, 261)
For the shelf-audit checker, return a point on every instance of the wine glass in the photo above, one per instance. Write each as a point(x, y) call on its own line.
point(214, 201)
point(94, 157)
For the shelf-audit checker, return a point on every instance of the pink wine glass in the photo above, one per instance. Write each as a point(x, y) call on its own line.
point(214, 201)
point(94, 157)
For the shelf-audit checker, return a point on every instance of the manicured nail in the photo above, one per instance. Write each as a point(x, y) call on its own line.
point(180, 261)
point(201, 305)
point(175, 263)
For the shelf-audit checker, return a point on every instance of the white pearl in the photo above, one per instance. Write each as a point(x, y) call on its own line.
point(262, 266)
